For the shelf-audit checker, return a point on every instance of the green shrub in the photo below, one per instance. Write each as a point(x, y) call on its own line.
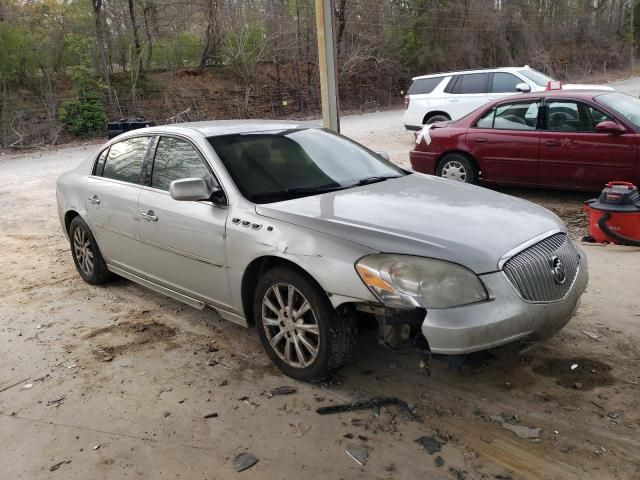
point(83, 116)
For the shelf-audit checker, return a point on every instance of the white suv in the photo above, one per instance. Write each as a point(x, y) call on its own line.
point(448, 96)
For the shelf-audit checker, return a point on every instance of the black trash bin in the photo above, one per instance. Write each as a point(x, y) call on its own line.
point(125, 124)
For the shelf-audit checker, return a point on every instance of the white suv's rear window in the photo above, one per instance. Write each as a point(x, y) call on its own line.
point(424, 85)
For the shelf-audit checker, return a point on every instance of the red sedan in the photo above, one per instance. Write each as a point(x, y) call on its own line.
point(562, 139)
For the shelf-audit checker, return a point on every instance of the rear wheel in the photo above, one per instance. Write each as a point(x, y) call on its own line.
point(298, 327)
point(455, 166)
point(86, 254)
point(436, 118)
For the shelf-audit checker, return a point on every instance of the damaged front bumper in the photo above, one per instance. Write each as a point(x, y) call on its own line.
point(505, 318)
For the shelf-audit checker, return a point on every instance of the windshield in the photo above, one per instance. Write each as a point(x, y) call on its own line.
point(536, 77)
point(282, 164)
point(625, 105)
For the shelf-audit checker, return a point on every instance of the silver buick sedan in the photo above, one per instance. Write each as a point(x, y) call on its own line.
point(299, 231)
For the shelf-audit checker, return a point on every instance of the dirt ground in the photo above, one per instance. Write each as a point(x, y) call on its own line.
point(115, 382)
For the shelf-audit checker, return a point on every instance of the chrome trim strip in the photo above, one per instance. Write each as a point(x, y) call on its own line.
point(161, 246)
point(505, 258)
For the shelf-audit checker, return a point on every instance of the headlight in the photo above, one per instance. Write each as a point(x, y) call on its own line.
point(408, 281)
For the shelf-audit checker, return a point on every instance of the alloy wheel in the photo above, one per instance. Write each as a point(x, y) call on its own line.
point(82, 250)
point(454, 170)
point(290, 325)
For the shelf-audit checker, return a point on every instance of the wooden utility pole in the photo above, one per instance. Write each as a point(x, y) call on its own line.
point(327, 63)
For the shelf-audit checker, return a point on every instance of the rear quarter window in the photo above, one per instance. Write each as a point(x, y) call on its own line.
point(424, 85)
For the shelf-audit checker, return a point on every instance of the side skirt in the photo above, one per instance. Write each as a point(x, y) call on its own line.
point(225, 314)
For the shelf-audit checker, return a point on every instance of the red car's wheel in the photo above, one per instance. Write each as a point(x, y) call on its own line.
point(455, 166)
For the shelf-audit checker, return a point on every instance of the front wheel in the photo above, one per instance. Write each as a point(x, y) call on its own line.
point(455, 166)
point(298, 327)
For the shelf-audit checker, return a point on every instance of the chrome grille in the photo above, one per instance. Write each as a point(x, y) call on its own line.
point(531, 271)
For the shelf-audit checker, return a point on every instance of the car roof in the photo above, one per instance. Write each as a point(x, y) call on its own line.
point(213, 128)
point(564, 93)
point(481, 70)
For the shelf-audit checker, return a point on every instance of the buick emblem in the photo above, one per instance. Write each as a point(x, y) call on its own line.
point(557, 270)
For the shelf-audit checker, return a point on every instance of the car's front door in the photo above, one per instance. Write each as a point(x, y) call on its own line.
point(505, 142)
point(574, 155)
point(112, 201)
point(183, 243)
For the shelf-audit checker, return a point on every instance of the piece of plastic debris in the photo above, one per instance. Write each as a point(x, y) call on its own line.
point(211, 415)
point(244, 461)
point(97, 446)
point(56, 466)
point(72, 366)
point(38, 327)
point(362, 405)
point(430, 444)
point(284, 390)
point(27, 386)
point(522, 431)
point(574, 366)
point(359, 454)
point(591, 335)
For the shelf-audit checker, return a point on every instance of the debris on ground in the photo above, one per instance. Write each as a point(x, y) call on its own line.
point(57, 402)
point(439, 461)
point(359, 454)
point(574, 366)
point(166, 414)
point(243, 461)
point(523, 431)
point(362, 405)
point(13, 385)
point(591, 335)
point(27, 386)
point(56, 466)
point(430, 444)
point(97, 446)
point(284, 390)
point(223, 383)
point(211, 415)
point(102, 354)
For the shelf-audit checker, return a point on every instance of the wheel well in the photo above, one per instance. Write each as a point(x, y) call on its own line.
point(68, 218)
point(433, 114)
point(252, 275)
point(459, 152)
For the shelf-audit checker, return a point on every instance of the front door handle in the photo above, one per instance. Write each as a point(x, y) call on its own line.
point(552, 143)
point(149, 216)
point(480, 140)
point(95, 200)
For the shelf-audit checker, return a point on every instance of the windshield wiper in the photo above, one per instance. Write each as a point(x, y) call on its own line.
point(369, 180)
point(321, 189)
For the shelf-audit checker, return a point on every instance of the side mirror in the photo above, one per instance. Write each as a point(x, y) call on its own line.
point(384, 155)
point(523, 87)
point(609, 127)
point(191, 190)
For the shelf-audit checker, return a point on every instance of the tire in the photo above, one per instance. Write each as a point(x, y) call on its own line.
point(333, 334)
point(437, 118)
point(455, 166)
point(86, 254)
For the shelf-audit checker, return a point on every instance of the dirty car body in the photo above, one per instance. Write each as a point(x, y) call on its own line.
point(294, 230)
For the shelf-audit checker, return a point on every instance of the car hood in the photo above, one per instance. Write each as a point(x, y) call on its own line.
point(422, 215)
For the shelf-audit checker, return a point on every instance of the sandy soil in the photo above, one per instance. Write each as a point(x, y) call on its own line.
point(115, 381)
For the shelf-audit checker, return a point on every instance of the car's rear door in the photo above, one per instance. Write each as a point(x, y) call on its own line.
point(505, 142)
point(112, 201)
point(574, 155)
point(183, 242)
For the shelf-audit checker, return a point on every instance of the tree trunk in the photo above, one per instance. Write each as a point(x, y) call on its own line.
point(211, 33)
point(146, 13)
point(136, 36)
point(341, 17)
point(101, 43)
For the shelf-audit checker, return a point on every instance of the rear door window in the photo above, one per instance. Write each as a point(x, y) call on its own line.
point(177, 159)
point(424, 85)
point(472, 83)
point(504, 83)
point(511, 116)
point(124, 161)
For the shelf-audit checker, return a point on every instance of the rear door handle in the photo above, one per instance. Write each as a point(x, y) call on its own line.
point(149, 216)
point(480, 140)
point(94, 200)
point(552, 143)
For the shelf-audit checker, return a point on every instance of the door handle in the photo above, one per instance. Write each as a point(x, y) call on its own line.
point(480, 140)
point(95, 200)
point(149, 216)
point(552, 143)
